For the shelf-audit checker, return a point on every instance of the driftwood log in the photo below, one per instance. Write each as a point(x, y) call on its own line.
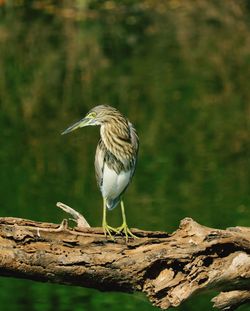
point(168, 268)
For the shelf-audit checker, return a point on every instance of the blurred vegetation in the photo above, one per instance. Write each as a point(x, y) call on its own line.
point(180, 71)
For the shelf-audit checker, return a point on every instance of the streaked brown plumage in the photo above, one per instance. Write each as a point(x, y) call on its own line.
point(115, 158)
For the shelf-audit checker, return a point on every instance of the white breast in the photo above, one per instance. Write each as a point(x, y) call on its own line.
point(113, 184)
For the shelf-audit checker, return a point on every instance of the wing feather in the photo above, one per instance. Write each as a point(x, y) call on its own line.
point(99, 163)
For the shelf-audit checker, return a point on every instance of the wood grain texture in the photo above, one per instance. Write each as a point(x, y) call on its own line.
point(168, 268)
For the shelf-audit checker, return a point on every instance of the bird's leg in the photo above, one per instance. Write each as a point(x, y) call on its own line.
point(106, 228)
point(124, 227)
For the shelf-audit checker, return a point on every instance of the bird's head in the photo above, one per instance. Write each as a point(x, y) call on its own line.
point(96, 116)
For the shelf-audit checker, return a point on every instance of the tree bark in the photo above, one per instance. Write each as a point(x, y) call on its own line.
point(169, 268)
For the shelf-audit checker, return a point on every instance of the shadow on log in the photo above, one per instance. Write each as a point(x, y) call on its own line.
point(168, 268)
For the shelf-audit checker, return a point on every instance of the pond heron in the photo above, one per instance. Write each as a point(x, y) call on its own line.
point(115, 159)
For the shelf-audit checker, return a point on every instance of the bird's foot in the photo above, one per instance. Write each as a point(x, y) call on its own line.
point(124, 229)
point(108, 230)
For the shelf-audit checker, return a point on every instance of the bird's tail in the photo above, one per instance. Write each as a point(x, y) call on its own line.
point(112, 203)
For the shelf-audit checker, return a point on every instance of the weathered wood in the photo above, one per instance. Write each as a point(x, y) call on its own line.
point(78, 218)
point(231, 300)
point(169, 268)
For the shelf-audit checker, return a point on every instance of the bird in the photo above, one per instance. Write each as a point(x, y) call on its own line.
point(115, 160)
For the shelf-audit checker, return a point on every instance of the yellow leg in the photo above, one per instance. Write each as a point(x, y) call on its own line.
point(106, 228)
point(124, 227)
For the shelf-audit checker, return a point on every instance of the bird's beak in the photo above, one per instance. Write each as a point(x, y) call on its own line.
point(83, 122)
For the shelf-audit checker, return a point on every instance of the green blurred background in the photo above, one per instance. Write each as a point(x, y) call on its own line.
point(180, 71)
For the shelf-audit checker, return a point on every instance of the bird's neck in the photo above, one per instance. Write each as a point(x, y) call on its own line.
point(117, 140)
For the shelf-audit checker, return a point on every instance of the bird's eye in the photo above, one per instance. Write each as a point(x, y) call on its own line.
point(92, 115)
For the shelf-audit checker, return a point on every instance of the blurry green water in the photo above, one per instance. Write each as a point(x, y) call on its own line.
point(180, 72)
